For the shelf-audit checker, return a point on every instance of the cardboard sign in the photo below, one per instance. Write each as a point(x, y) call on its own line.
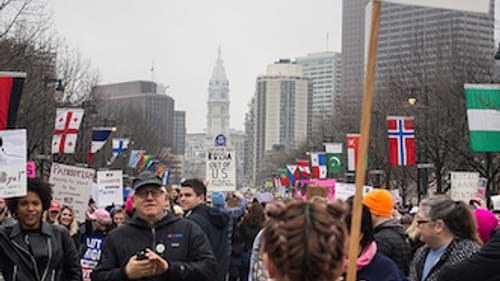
point(72, 186)
point(13, 163)
point(464, 185)
point(345, 190)
point(221, 169)
point(109, 188)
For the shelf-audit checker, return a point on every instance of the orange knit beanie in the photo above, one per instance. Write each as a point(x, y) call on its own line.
point(380, 202)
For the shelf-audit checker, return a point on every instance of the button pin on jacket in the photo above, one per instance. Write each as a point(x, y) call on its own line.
point(160, 248)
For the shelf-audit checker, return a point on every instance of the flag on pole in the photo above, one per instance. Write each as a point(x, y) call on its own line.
point(135, 157)
point(352, 151)
point(99, 138)
point(483, 114)
point(283, 177)
point(66, 128)
point(334, 158)
point(293, 172)
point(478, 6)
point(166, 177)
point(119, 146)
point(303, 167)
point(11, 89)
point(401, 132)
point(318, 165)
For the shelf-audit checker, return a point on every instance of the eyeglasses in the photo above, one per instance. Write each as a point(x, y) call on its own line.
point(144, 193)
point(419, 222)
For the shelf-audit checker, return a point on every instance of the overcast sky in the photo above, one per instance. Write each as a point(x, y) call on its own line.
point(123, 37)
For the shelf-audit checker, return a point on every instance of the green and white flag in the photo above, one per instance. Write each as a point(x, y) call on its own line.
point(483, 113)
point(334, 158)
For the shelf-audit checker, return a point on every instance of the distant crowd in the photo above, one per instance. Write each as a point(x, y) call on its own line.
point(162, 233)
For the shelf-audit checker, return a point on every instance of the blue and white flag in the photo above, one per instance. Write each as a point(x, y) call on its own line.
point(99, 138)
point(119, 145)
point(166, 178)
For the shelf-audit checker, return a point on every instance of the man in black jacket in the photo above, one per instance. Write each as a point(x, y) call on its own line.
point(155, 244)
point(213, 221)
point(483, 265)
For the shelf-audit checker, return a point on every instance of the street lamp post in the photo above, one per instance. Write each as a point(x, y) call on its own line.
point(412, 99)
point(59, 90)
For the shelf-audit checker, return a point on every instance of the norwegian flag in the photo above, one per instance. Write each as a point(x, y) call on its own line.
point(318, 165)
point(401, 132)
point(66, 129)
point(303, 167)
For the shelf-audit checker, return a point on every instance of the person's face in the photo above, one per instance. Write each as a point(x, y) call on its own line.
point(149, 201)
point(66, 217)
point(174, 193)
point(29, 211)
point(188, 199)
point(53, 216)
point(119, 218)
point(426, 227)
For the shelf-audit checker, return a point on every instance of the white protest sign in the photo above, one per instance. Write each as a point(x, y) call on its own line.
point(478, 6)
point(464, 185)
point(345, 190)
point(12, 163)
point(72, 186)
point(221, 169)
point(109, 188)
point(496, 202)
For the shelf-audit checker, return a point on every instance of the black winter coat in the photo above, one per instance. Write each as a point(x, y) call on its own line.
point(216, 225)
point(54, 246)
point(392, 242)
point(187, 250)
point(484, 265)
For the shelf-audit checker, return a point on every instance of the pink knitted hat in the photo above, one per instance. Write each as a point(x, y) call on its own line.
point(486, 223)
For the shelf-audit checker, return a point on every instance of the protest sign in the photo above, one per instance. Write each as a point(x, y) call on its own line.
point(109, 188)
point(464, 185)
point(12, 163)
point(221, 169)
point(72, 186)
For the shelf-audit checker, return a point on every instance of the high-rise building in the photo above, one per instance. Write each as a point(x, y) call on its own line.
point(283, 101)
point(408, 35)
point(324, 69)
point(249, 165)
point(146, 98)
point(179, 132)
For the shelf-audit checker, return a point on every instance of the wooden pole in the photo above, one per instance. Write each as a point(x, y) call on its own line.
point(363, 144)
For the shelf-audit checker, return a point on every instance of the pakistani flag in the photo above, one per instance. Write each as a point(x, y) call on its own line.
point(483, 113)
point(334, 158)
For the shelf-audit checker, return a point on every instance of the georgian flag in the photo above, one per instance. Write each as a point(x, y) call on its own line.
point(318, 165)
point(66, 128)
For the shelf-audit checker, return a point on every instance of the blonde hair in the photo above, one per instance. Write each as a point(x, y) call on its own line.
point(73, 226)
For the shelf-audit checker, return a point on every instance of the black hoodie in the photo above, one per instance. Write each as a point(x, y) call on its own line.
point(187, 249)
point(215, 223)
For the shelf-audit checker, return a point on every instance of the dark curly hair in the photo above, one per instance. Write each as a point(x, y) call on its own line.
point(41, 188)
point(305, 241)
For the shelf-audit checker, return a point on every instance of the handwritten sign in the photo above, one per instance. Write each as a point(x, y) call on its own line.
point(345, 190)
point(72, 186)
point(13, 163)
point(464, 185)
point(221, 169)
point(109, 188)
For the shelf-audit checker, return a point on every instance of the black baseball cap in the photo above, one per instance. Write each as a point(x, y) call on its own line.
point(146, 178)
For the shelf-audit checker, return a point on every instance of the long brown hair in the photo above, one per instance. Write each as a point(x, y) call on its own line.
point(255, 215)
point(305, 241)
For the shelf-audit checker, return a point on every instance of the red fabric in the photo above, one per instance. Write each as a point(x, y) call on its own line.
point(64, 132)
point(303, 167)
point(401, 132)
point(5, 92)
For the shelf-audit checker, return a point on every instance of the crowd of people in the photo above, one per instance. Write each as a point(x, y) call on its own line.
point(165, 234)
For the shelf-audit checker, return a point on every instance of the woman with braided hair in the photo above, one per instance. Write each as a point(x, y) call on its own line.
point(305, 241)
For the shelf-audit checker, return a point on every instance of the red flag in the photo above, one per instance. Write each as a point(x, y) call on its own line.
point(352, 151)
point(303, 167)
point(401, 132)
point(11, 88)
point(66, 129)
